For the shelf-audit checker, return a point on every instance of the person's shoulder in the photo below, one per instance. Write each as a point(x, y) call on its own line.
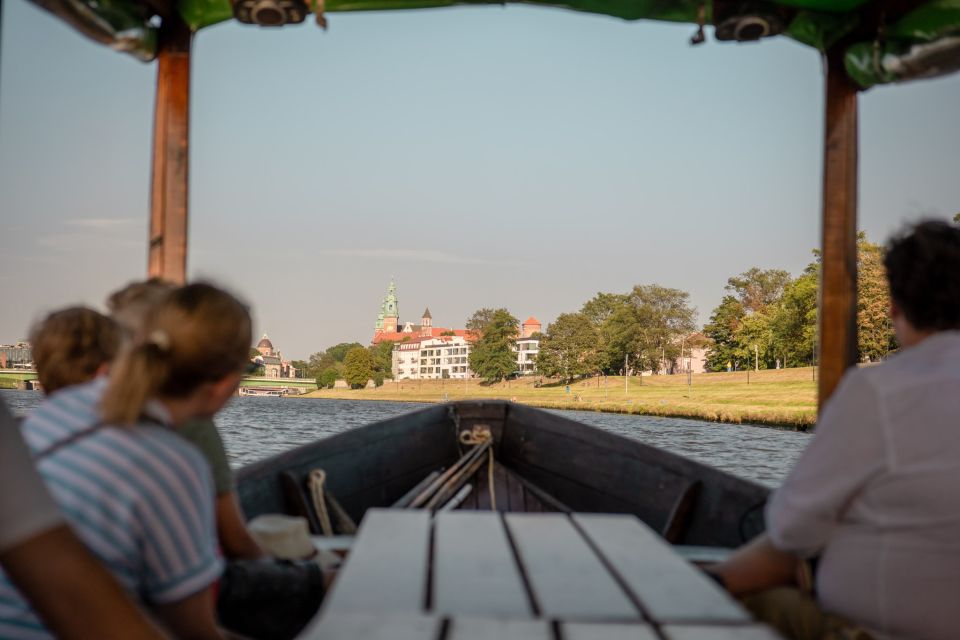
point(935, 358)
point(163, 462)
point(62, 413)
point(200, 431)
point(80, 400)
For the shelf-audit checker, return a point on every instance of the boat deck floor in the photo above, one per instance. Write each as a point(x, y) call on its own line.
point(467, 575)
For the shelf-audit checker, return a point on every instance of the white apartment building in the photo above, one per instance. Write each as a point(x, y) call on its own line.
point(432, 359)
point(445, 357)
point(406, 361)
point(527, 350)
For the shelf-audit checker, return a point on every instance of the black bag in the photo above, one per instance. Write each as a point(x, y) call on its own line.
point(269, 599)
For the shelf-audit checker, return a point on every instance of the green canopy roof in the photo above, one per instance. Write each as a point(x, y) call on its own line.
point(883, 41)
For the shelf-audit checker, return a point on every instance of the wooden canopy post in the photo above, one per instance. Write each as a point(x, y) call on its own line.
point(838, 276)
point(171, 143)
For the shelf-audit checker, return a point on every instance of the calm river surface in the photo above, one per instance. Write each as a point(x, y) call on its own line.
point(254, 428)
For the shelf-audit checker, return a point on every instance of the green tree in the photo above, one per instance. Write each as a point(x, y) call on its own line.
point(254, 353)
point(794, 323)
point(752, 345)
point(599, 308)
point(956, 218)
point(647, 327)
point(756, 288)
point(327, 379)
point(382, 354)
point(722, 329)
point(665, 315)
point(477, 323)
point(875, 338)
point(570, 348)
point(339, 351)
point(741, 326)
point(492, 356)
point(357, 367)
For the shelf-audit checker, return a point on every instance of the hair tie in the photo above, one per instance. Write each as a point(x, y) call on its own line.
point(160, 339)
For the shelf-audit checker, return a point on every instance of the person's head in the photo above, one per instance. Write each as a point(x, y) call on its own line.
point(189, 354)
point(923, 269)
point(131, 305)
point(73, 345)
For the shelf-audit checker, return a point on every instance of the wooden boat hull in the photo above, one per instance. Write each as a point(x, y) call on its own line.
point(544, 462)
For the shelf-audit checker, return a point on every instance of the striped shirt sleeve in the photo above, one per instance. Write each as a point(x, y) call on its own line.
point(177, 516)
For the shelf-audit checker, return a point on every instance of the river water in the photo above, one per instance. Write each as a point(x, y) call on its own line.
point(255, 427)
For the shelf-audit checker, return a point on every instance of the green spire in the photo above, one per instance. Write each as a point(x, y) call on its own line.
point(391, 306)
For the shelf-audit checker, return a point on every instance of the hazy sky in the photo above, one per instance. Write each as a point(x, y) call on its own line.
point(492, 156)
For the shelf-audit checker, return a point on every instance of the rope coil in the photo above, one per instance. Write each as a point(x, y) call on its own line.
point(477, 436)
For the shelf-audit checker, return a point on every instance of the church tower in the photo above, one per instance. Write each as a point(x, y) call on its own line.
point(426, 323)
point(391, 309)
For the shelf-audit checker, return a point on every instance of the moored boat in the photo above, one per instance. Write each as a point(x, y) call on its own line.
point(541, 461)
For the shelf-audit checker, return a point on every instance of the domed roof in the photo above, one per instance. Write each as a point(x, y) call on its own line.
point(265, 343)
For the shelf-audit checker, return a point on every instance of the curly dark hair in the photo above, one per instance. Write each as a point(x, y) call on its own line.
point(69, 346)
point(923, 268)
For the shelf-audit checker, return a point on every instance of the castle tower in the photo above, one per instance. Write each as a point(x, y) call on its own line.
point(391, 309)
point(530, 326)
point(426, 323)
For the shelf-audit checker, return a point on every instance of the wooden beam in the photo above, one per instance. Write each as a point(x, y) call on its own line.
point(171, 144)
point(838, 278)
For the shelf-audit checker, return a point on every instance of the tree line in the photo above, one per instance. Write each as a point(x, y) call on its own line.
point(349, 361)
point(767, 318)
point(616, 333)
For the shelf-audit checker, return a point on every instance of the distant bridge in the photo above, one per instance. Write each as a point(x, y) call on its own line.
point(21, 379)
point(302, 385)
point(18, 379)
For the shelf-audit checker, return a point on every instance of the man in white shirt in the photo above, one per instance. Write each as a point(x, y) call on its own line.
point(876, 494)
point(73, 593)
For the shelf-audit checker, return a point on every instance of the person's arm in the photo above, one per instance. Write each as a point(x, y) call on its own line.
point(756, 566)
point(74, 595)
point(235, 539)
point(178, 540)
point(848, 449)
point(191, 618)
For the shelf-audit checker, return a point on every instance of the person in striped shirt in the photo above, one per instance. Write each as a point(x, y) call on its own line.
point(138, 495)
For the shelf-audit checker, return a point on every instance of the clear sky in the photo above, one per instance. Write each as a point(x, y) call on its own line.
point(491, 156)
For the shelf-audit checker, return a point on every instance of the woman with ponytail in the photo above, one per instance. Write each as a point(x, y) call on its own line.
point(130, 307)
point(138, 495)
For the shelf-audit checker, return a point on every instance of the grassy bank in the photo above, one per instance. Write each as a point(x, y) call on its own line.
point(784, 398)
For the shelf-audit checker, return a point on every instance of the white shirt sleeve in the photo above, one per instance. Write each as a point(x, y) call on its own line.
point(26, 508)
point(846, 451)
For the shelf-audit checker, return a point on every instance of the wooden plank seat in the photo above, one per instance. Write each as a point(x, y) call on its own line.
point(468, 575)
point(669, 589)
point(474, 572)
point(387, 569)
point(567, 577)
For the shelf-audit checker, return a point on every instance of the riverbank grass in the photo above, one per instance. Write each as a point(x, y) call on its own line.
point(784, 398)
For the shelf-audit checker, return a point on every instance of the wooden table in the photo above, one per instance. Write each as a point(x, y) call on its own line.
point(470, 575)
